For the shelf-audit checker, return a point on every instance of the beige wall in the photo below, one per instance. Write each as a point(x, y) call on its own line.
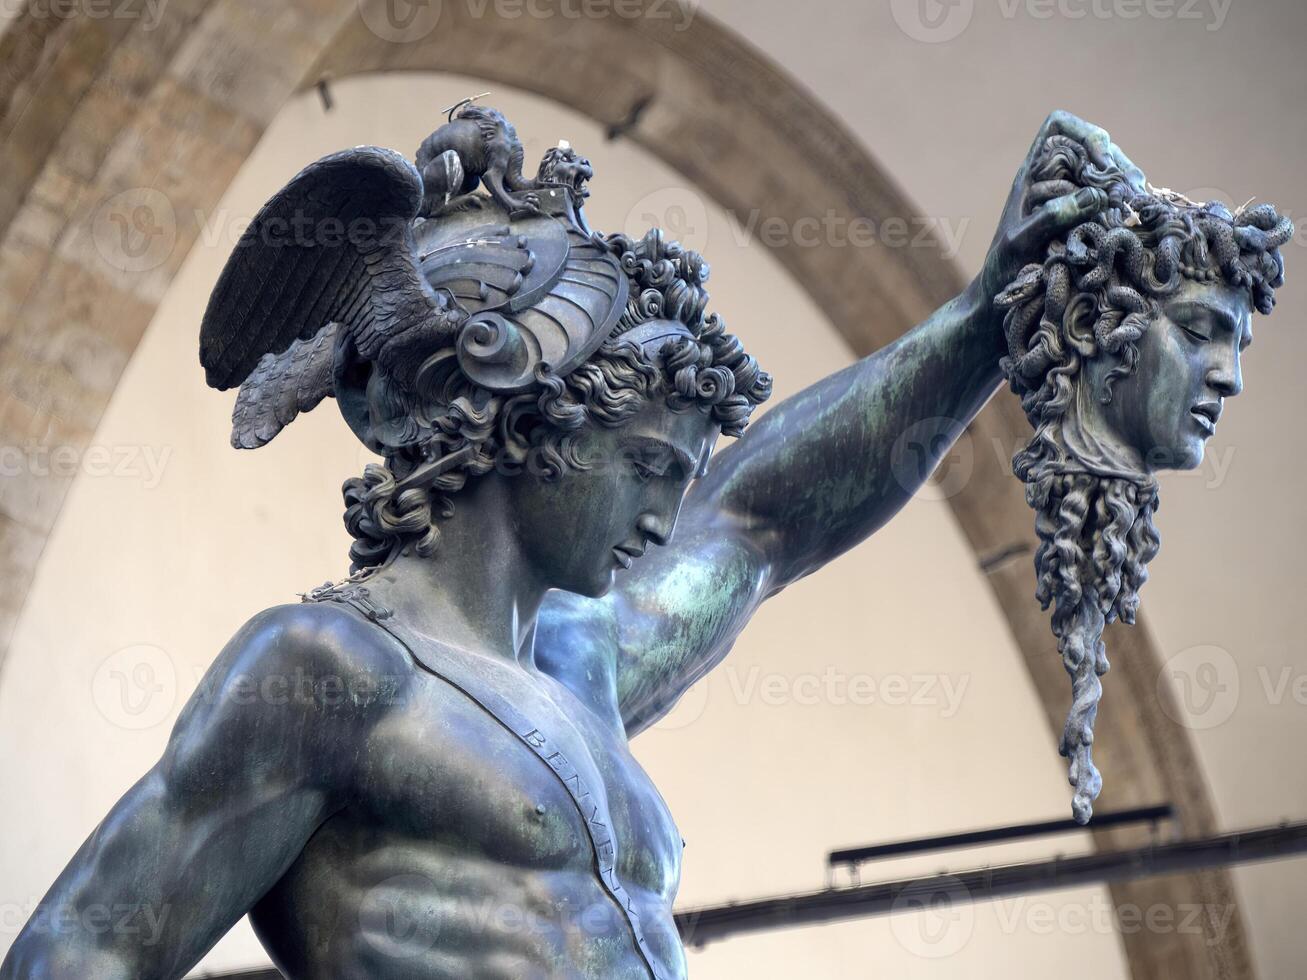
point(763, 769)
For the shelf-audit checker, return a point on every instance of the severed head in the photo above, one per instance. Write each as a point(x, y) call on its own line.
point(1124, 345)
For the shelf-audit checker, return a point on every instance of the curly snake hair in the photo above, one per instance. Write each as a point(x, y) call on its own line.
point(709, 370)
point(1096, 529)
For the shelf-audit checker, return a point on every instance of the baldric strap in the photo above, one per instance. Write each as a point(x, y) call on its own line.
point(462, 673)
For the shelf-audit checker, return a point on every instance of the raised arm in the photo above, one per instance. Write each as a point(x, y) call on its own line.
point(248, 774)
point(821, 471)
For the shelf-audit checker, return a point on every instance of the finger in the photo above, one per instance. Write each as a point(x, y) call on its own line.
point(1060, 215)
point(1133, 175)
point(1094, 138)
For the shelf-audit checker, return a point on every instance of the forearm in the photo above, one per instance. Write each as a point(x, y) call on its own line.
point(830, 465)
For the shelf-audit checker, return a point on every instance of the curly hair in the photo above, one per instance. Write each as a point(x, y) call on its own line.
point(457, 431)
point(1095, 525)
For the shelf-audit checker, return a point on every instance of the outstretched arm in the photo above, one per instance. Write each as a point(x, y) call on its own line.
point(822, 470)
point(249, 773)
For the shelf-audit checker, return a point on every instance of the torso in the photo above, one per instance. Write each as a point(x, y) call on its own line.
point(464, 856)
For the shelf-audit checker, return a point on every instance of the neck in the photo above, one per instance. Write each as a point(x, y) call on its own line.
point(1092, 443)
point(477, 591)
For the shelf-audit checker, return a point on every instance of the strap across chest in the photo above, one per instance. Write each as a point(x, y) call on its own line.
point(474, 679)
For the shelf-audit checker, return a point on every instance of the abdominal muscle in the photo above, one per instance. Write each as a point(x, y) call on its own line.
point(402, 909)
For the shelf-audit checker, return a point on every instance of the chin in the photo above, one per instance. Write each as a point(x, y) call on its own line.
point(596, 586)
point(1187, 455)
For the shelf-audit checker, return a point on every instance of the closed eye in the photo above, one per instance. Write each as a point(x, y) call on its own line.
point(648, 470)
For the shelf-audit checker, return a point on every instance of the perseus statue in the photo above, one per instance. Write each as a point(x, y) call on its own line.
point(446, 730)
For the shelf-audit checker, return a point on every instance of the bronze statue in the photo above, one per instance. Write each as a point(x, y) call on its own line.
point(1123, 344)
point(423, 771)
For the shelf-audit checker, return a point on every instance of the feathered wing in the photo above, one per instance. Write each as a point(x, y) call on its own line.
point(281, 386)
point(333, 247)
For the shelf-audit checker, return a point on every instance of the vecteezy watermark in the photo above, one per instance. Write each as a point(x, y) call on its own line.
point(680, 212)
point(136, 230)
point(408, 21)
point(397, 917)
point(143, 463)
point(1210, 13)
point(135, 688)
point(299, 229)
point(406, 915)
point(1098, 916)
point(1286, 684)
point(836, 230)
point(401, 21)
point(682, 215)
point(937, 21)
point(832, 687)
point(141, 921)
point(938, 447)
point(302, 688)
point(835, 687)
point(932, 21)
point(1198, 688)
point(933, 918)
point(149, 12)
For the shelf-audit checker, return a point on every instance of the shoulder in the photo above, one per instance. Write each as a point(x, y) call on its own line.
point(295, 691)
point(299, 664)
point(318, 635)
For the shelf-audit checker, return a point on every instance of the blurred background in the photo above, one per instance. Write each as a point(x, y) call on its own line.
point(842, 165)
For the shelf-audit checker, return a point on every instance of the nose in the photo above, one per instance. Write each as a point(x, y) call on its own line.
point(1226, 376)
point(658, 525)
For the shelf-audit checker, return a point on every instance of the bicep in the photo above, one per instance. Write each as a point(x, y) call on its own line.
point(246, 778)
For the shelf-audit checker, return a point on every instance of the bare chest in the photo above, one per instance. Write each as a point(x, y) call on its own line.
point(449, 769)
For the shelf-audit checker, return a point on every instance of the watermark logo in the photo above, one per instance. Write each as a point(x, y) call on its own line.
point(397, 918)
point(135, 688)
point(678, 211)
point(1211, 13)
point(149, 12)
point(836, 230)
point(933, 919)
point(143, 463)
point(938, 446)
point(401, 21)
point(135, 231)
point(407, 21)
point(687, 710)
point(937, 21)
point(1199, 687)
point(932, 21)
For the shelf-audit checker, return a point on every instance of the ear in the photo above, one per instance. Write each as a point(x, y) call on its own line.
point(372, 405)
point(351, 375)
point(517, 419)
point(1078, 324)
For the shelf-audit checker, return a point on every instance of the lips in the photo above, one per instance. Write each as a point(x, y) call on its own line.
point(1206, 414)
point(626, 554)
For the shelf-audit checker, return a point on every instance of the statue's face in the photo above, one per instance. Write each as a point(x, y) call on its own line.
point(1166, 409)
point(582, 529)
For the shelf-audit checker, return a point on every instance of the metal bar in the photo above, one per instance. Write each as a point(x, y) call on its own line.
point(995, 835)
point(704, 925)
